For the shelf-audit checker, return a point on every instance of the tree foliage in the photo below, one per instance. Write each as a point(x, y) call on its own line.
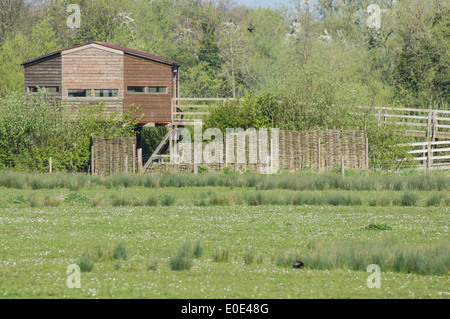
point(33, 128)
point(302, 67)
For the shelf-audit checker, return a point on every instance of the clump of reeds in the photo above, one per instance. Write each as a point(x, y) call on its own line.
point(182, 258)
point(422, 259)
point(221, 254)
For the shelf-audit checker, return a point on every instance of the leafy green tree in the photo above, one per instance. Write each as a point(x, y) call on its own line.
point(209, 50)
point(20, 48)
point(17, 16)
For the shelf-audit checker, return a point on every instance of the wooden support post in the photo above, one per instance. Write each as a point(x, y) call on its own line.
point(318, 159)
point(429, 156)
point(92, 161)
point(126, 164)
point(434, 125)
point(50, 165)
point(134, 159)
point(367, 153)
point(149, 162)
point(342, 166)
point(139, 154)
point(425, 167)
point(430, 127)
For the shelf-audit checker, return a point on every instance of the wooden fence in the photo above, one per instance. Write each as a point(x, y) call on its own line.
point(297, 150)
point(431, 155)
point(433, 126)
point(111, 156)
point(428, 124)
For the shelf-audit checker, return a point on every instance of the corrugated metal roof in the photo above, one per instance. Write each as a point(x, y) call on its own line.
point(111, 46)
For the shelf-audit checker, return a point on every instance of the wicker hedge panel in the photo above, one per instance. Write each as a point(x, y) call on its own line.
point(113, 155)
point(298, 150)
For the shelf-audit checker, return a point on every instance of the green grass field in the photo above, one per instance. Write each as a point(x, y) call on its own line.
point(235, 241)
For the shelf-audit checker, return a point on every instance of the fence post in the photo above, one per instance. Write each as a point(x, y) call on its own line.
point(126, 163)
point(342, 166)
point(429, 127)
point(318, 160)
point(425, 167)
point(367, 153)
point(139, 151)
point(134, 159)
point(50, 165)
point(92, 161)
point(434, 126)
point(430, 156)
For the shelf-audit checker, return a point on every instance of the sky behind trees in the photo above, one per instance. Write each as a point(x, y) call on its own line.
point(263, 3)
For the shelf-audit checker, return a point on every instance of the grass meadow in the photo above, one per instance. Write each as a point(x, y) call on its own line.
point(224, 236)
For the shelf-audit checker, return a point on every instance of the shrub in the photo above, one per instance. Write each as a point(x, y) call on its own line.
point(86, 261)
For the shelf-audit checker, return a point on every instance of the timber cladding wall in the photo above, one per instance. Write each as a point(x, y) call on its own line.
point(113, 155)
point(141, 72)
point(47, 73)
point(303, 150)
point(92, 68)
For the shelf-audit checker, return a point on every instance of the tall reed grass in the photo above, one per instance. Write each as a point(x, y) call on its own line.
point(292, 181)
point(421, 259)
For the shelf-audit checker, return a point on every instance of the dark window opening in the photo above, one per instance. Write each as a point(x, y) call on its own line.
point(52, 89)
point(136, 89)
point(79, 93)
point(106, 93)
point(157, 89)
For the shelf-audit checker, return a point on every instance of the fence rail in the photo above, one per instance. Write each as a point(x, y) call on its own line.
point(428, 124)
point(182, 110)
point(431, 125)
point(434, 154)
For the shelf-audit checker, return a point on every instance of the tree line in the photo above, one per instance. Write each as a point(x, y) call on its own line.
point(300, 67)
point(321, 51)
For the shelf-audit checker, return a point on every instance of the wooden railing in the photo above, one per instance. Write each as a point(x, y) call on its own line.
point(431, 155)
point(186, 114)
point(429, 124)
